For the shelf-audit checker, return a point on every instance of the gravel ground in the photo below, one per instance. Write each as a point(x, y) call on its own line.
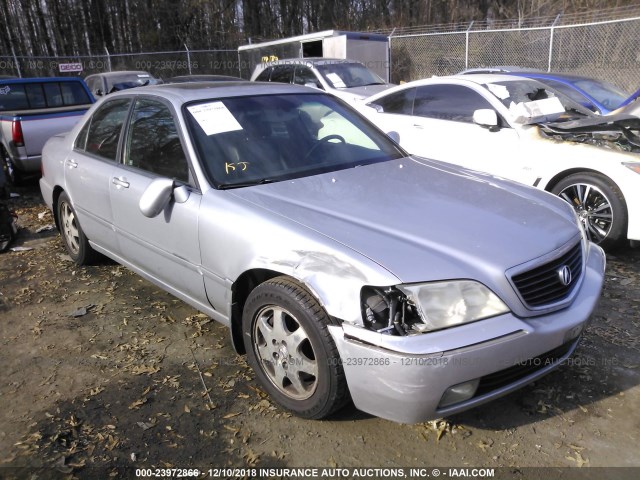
point(103, 371)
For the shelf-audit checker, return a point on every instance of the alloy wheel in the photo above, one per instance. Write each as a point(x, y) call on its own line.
point(593, 208)
point(285, 352)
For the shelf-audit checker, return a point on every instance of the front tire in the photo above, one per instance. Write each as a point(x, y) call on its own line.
point(599, 204)
point(73, 237)
point(290, 349)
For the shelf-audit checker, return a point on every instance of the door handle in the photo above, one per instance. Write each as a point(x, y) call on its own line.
point(72, 163)
point(120, 182)
point(417, 125)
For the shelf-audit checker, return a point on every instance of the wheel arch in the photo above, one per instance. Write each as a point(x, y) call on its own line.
point(247, 282)
point(572, 171)
point(240, 291)
point(57, 191)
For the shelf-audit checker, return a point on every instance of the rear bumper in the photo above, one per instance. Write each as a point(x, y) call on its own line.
point(27, 164)
point(405, 380)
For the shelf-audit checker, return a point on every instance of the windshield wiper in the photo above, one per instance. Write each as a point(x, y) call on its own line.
point(227, 186)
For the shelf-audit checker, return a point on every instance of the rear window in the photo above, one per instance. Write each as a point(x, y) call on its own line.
point(31, 96)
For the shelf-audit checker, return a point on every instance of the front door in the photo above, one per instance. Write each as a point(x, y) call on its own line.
point(165, 247)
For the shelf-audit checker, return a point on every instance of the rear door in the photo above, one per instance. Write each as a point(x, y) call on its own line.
point(165, 247)
point(89, 168)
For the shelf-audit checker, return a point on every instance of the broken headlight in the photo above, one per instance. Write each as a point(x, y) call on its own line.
point(425, 307)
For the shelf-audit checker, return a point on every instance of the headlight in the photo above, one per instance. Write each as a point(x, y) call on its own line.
point(446, 304)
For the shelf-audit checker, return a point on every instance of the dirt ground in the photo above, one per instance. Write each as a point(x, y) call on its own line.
point(102, 370)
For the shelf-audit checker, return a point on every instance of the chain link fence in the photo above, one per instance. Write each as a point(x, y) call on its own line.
point(159, 64)
point(606, 47)
point(608, 50)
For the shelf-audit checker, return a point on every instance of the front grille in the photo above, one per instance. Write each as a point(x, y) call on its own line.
point(542, 286)
point(500, 379)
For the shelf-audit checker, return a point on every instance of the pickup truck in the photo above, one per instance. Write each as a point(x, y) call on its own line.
point(31, 111)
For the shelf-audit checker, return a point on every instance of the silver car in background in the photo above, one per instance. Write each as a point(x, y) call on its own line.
point(343, 267)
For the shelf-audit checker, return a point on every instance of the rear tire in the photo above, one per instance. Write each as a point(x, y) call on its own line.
point(290, 349)
point(13, 177)
point(74, 239)
point(599, 204)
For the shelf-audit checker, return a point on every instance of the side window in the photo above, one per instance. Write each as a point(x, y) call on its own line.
point(571, 93)
point(153, 144)
point(304, 75)
point(282, 73)
point(104, 128)
point(13, 97)
point(74, 94)
point(448, 102)
point(400, 102)
point(264, 75)
point(52, 92)
point(35, 95)
point(81, 139)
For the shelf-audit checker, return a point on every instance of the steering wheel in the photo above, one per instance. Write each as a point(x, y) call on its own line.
point(324, 140)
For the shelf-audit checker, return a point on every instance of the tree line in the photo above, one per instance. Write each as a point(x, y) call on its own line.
point(82, 27)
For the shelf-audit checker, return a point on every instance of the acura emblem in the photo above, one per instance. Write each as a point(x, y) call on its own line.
point(564, 275)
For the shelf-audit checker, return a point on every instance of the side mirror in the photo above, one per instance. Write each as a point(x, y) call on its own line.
point(156, 197)
point(486, 118)
point(376, 107)
point(311, 85)
point(395, 136)
point(98, 93)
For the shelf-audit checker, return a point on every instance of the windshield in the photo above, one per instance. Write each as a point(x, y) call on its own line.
point(245, 141)
point(348, 75)
point(605, 93)
point(530, 101)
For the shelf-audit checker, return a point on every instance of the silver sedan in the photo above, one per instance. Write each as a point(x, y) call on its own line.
point(344, 268)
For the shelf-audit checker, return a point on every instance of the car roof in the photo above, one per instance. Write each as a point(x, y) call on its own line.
point(193, 91)
point(203, 78)
point(551, 76)
point(121, 72)
point(476, 78)
point(312, 60)
point(40, 79)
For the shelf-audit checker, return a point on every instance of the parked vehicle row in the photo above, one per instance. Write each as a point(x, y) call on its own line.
point(343, 266)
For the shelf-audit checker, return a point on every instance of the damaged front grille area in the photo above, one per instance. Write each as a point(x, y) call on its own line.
point(502, 378)
point(551, 282)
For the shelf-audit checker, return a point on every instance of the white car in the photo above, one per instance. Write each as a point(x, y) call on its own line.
point(520, 129)
point(346, 79)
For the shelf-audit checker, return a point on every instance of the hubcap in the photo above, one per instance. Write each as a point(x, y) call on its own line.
point(593, 208)
point(285, 352)
point(70, 228)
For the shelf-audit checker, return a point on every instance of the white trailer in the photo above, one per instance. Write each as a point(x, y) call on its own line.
point(370, 49)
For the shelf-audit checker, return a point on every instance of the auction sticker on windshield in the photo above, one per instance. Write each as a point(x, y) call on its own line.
point(214, 118)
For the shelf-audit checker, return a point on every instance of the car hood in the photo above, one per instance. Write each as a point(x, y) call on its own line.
point(366, 91)
point(619, 131)
point(424, 220)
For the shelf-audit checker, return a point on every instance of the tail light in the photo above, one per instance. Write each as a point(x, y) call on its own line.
point(16, 133)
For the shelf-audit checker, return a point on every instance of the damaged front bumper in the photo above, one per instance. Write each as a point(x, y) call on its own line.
point(416, 378)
